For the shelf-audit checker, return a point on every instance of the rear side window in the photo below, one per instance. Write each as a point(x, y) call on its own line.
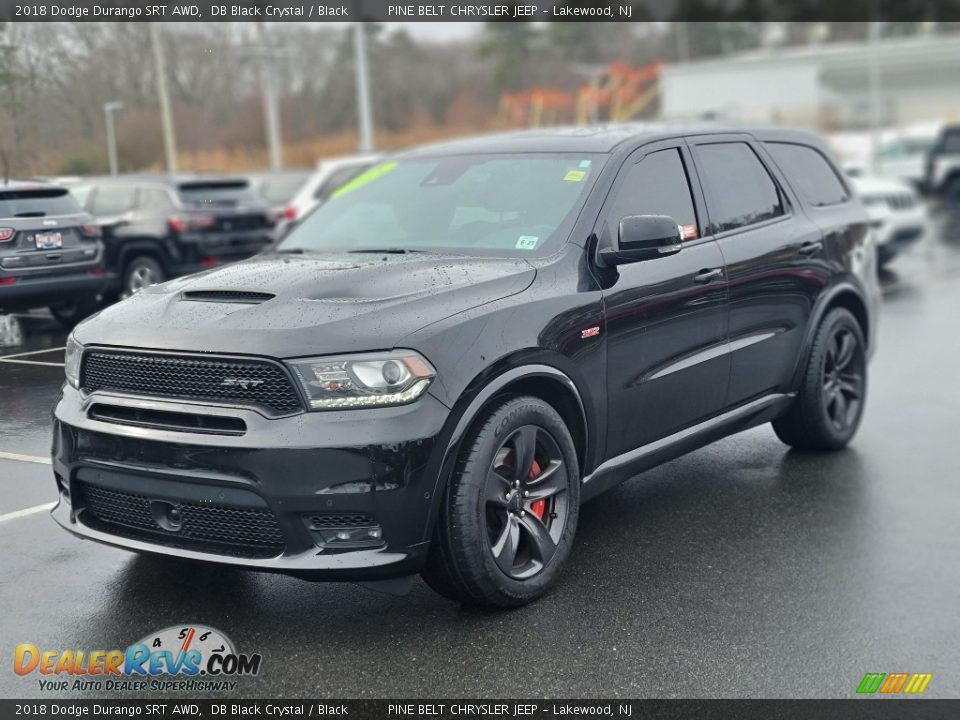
point(113, 199)
point(740, 191)
point(153, 199)
point(37, 203)
point(951, 141)
point(809, 173)
point(657, 185)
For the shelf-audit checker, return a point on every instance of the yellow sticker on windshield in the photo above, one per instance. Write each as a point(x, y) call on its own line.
point(575, 175)
point(365, 177)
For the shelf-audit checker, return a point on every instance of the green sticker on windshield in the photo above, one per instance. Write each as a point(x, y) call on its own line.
point(527, 242)
point(585, 163)
point(365, 177)
point(575, 175)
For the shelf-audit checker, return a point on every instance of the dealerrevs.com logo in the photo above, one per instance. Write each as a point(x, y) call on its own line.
point(181, 657)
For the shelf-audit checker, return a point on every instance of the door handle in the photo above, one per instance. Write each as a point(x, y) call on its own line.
point(707, 276)
point(810, 248)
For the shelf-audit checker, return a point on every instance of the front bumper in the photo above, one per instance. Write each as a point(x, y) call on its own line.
point(258, 500)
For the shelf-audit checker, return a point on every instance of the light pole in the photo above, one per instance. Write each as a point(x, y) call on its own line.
point(109, 108)
point(271, 115)
point(363, 88)
point(163, 93)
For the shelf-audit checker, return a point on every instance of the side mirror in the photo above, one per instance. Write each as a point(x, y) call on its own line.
point(644, 237)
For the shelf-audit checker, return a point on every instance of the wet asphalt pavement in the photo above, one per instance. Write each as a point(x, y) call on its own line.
point(741, 570)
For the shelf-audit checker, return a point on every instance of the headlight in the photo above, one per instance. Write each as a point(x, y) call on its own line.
point(71, 361)
point(358, 381)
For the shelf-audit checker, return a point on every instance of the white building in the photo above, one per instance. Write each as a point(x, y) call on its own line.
point(824, 85)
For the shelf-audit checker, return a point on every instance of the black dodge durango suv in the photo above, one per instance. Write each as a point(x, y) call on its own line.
point(467, 341)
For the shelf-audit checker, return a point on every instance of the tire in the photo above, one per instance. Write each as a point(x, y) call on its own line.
point(70, 315)
point(494, 546)
point(142, 272)
point(951, 192)
point(829, 406)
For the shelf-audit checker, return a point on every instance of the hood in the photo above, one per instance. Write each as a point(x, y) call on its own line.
point(300, 305)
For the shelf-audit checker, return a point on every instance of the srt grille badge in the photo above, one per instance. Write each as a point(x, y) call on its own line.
point(244, 383)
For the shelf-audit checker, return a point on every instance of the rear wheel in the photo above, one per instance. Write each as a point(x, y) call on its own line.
point(826, 412)
point(510, 511)
point(72, 313)
point(142, 272)
point(951, 190)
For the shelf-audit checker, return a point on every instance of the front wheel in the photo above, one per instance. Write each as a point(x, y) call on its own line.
point(826, 412)
point(510, 511)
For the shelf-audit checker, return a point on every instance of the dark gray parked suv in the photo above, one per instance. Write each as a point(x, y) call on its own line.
point(50, 252)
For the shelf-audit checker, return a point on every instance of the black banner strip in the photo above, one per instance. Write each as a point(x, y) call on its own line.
point(477, 11)
point(853, 709)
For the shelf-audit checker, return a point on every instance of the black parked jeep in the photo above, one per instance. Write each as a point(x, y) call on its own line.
point(159, 227)
point(50, 252)
point(465, 342)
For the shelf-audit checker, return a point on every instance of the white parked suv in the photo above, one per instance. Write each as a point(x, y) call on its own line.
point(330, 174)
point(896, 211)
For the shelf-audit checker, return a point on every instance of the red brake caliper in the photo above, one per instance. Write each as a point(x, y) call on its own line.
point(537, 507)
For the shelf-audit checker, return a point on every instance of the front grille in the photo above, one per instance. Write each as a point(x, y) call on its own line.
point(332, 522)
point(255, 383)
point(248, 532)
point(900, 201)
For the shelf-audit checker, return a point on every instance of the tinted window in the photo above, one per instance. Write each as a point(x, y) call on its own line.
point(113, 199)
point(657, 185)
point(951, 141)
point(739, 189)
point(809, 173)
point(37, 203)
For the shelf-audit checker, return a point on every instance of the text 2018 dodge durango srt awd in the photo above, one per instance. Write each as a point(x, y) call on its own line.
point(439, 364)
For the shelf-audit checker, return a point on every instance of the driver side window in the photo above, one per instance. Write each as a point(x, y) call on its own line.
point(657, 185)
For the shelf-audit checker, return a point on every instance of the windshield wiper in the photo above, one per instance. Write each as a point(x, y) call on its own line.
point(35, 213)
point(389, 250)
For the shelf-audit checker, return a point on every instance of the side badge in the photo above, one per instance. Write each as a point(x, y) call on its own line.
point(589, 332)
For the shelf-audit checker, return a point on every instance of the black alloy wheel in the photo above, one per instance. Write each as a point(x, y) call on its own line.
point(843, 379)
point(526, 498)
point(829, 404)
point(509, 513)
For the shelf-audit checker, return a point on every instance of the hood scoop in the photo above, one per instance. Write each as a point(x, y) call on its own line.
point(244, 297)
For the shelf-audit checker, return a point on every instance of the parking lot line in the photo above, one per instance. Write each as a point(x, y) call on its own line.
point(30, 362)
point(32, 352)
point(39, 459)
point(26, 511)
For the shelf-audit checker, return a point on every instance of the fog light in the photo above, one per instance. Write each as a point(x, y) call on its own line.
point(344, 531)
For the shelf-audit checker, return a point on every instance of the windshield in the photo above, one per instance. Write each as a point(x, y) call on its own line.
point(471, 204)
point(37, 203)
